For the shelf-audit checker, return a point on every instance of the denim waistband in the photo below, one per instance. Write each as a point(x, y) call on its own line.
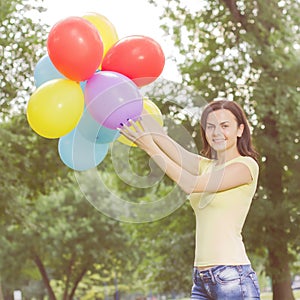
point(209, 274)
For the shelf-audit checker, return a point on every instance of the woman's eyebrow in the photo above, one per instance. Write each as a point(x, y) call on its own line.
point(223, 122)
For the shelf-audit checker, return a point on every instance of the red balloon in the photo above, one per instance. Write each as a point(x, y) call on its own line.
point(75, 48)
point(138, 57)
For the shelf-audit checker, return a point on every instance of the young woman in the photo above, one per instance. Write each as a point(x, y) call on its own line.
point(221, 183)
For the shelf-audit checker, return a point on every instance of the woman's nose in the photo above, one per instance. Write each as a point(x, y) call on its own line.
point(217, 130)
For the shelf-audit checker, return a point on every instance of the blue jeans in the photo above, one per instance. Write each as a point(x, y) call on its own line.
point(225, 283)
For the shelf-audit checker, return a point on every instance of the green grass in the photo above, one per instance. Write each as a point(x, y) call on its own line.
point(268, 296)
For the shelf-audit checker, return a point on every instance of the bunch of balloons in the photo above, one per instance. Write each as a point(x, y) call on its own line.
point(89, 83)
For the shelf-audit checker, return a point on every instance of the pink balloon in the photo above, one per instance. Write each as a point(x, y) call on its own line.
point(112, 98)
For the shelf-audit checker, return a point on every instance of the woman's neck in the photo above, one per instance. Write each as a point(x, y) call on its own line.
point(224, 156)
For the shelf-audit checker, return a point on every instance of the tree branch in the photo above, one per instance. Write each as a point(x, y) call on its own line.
point(80, 276)
point(44, 275)
point(238, 17)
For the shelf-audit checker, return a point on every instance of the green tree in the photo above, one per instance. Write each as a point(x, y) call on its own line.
point(64, 237)
point(25, 157)
point(164, 251)
point(248, 51)
point(26, 174)
point(21, 45)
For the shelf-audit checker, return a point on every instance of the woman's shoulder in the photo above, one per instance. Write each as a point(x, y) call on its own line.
point(246, 159)
point(250, 162)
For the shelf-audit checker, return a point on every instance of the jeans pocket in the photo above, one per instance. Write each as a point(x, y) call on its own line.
point(195, 278)
point(254, 286)
point(228, 274)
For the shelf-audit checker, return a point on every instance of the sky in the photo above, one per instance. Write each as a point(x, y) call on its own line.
point(129, 17)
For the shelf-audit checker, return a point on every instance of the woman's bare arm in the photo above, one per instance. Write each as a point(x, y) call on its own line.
point(186, 159)
point(222, 178)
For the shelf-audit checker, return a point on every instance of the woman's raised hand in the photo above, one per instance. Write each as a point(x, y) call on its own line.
point(138, 133)
point(151, 125)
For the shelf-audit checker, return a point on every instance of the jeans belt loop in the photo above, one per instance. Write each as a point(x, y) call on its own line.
point(239, 268)
point(212, 276)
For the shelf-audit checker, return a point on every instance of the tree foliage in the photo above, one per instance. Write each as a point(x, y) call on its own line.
point(25, 158)
point(64, 237)
point(246, 51)
point(249, 52)
point(164, 251)
point(21, 45)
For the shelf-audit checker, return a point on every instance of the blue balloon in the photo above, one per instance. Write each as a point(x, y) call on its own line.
point(83, 84)
point(80, 154)
point(95, 132)
point(45, 71)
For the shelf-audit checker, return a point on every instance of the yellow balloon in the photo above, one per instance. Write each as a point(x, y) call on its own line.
point(105, 28)
point(54, 109)
point(151, 109)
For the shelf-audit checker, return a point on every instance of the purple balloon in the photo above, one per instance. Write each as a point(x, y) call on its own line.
point(112, 98)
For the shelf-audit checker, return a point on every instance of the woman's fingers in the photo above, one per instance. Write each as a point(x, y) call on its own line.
point(142, 124)
point(132, 132)
point(127, 130)
point(135, 126)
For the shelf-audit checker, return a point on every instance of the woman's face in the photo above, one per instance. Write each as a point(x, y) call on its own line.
point(222, 130)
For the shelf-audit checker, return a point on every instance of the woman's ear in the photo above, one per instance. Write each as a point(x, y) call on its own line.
point(240, 130)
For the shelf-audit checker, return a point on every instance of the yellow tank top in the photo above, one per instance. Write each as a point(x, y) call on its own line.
point(220, 218)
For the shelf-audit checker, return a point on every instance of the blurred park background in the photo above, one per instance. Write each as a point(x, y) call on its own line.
point(55, 245)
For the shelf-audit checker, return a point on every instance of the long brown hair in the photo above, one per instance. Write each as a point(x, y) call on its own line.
point(244, 143)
